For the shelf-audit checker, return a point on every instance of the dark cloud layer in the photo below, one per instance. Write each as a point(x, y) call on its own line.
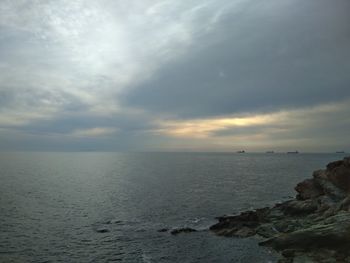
point(275, 54)
point(166, 75)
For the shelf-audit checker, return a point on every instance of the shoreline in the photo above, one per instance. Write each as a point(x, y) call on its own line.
point(312, 227)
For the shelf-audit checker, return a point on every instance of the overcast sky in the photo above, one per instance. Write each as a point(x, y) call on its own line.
point(165, 75)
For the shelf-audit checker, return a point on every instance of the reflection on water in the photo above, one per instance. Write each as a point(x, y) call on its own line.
point(100, 207)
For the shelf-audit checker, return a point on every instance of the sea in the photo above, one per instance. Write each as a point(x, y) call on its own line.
point(108, 207)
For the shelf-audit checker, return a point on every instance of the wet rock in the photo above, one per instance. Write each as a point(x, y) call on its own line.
point(314, 227)
point(102, 230)
point(242, 225)
point(182, 230)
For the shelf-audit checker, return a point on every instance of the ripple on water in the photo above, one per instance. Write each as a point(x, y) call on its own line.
point(52, 205)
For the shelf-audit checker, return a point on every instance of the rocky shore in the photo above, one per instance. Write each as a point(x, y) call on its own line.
point(313, 227)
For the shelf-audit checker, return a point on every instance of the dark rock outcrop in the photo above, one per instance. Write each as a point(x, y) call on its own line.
point(102, 230)
point(242, 225)
point(182, 230)
point(308, 189)
point(313, 227)
point(163, 230)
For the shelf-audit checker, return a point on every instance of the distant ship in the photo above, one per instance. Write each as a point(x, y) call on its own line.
point(241, 151)
point(295, 152)
point(340, 152)
point(270, 152)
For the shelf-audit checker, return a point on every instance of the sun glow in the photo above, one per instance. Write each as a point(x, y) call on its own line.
point(203, 128)
point(272, 123)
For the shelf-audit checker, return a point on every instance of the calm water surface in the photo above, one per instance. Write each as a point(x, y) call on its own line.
point(53, 204)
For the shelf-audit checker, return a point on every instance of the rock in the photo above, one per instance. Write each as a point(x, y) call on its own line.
point(321, 179)
point(339, 174)
point(307, 189)
point(334, 165)
point(182, 230)
point(329, 212)
point(303, 258)
point(285, 260)
point(242, 225)
point(296, 207)
point(332, 233)
point(314, 227)
point(288, 253)
point(276, 213)
point(245, 232)
point(102, 230)
point(284, 226)
point(344, 204)
point(266, 230)
point(324, 203)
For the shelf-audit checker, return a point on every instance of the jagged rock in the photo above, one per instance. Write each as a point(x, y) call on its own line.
point(242, 225)
point(314, 227)
point(182, 230)
point(324, 203)
point(333, 165)
point(296, 207)
point(321, 179)
point(338, 174)
point(307, 189)
point(332, 233)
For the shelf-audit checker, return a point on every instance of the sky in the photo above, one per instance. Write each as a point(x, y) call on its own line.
point(161, 75)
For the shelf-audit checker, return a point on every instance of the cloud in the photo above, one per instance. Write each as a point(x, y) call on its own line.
point(94, 132)
point(204, 128)
point(267, 57)
point(320, 128)
point(63, 58)
point(160, 74)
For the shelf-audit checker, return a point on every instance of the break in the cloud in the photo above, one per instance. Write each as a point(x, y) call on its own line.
point(314, 128)
point(166, 75)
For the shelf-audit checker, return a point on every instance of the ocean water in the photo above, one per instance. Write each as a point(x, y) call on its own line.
point(53, 205)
